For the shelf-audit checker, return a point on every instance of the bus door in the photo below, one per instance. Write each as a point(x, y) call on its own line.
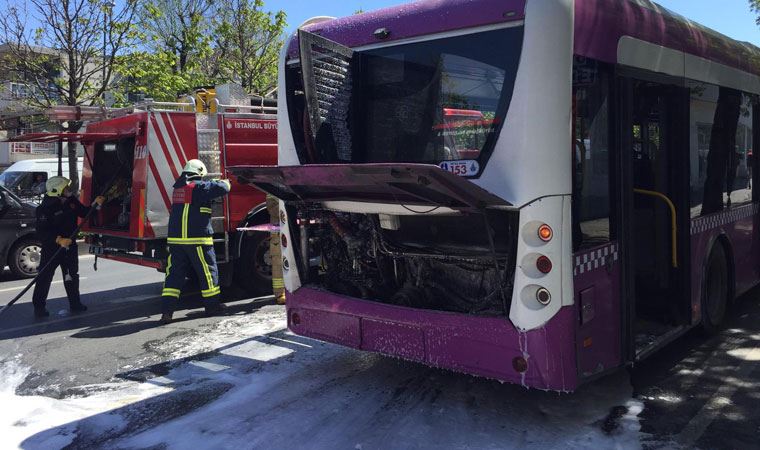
point(654, 144)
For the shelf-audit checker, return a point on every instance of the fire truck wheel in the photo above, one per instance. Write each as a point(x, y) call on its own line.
point(255, 273)
point(24, 258)
point(715, 291)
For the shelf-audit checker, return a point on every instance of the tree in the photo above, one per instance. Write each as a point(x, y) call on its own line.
point(247, 45)
point(177, 36)
point(177, 26)
point(68, 57)
point(754, 6)
point(191, 43)
point(154, 75)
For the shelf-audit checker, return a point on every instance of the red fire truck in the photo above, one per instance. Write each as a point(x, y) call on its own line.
point(136, 154)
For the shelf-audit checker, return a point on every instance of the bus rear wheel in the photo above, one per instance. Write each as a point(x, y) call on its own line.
point(716, 291)
point(254, 274)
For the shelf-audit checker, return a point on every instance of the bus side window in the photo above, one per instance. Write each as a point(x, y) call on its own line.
point(591, 156)
point(722, 132)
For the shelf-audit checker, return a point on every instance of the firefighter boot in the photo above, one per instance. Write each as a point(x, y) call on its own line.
point(215, 308)
point(77, 307)
point(168, 305)
point(166, 318)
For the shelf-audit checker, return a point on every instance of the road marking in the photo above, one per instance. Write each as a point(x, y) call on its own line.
point(22, 287)
point(213, 367)
point(161, 381)
point(289, 341)
point(722, 397)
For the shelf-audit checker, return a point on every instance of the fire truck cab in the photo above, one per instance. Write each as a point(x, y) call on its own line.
point(135, 157)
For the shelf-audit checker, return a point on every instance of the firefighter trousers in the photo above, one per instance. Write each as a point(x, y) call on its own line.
point(275, 252)
point(184, 260)
point(68, 261)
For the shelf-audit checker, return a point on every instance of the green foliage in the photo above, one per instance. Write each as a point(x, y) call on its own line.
point(754, 6)
point(154, 75)
point(174, 38)
point(248, 44)
point(191, 43)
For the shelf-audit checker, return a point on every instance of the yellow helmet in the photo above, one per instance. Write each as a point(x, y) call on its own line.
point(196, 168)
point(56, 185)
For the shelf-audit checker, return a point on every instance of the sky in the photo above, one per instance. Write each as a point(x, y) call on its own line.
point(730, 17)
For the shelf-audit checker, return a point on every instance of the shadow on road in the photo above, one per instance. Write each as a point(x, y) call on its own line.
point(7, 275)
point(277, 390)
point(106, 314)
point(109, 329)
point(707, 387)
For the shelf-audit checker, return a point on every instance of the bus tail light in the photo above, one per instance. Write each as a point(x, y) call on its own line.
point(543, 296)
point(545, 233)
point(544, 264)
point(520, 364)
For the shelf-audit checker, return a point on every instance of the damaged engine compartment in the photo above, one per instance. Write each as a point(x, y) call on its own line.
point(458, 263)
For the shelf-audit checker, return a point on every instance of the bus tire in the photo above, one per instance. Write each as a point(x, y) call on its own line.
point(24, 257)
point(716, 291)
point(253, 273)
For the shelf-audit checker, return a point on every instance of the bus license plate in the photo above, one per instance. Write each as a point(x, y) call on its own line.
point(464, 168)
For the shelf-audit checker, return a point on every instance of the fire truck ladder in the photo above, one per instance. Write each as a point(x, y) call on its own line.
point(210, 153)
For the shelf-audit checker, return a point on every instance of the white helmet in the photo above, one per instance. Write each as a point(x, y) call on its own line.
point(195, 167)
point(56, 185)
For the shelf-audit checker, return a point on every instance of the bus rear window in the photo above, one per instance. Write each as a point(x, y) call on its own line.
point(423, 102)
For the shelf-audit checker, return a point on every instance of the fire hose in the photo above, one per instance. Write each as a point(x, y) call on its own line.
point(53, 260)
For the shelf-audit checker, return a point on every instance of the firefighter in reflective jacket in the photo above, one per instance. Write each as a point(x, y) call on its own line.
point(191, 247)
point(56, 222)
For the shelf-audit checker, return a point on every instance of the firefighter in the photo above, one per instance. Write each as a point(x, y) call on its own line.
point(191, 248)
point(275, 252)
point(56, 221)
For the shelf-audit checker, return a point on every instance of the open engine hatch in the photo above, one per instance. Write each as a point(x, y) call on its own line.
point(390, 183)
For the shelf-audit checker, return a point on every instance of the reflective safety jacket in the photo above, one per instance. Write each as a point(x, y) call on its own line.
point(58, 217)
point(190, 218)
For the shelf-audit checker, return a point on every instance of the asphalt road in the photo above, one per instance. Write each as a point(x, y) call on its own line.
point(69, 350)
point(704, 392)
point(699, 392)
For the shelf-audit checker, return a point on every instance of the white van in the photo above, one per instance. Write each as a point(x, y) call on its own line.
point(27, 178)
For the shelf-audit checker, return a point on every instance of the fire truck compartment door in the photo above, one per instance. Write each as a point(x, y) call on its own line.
point(407, 184)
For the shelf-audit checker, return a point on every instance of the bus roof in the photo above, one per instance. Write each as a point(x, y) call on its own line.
point(599, 26)
point(415, 19)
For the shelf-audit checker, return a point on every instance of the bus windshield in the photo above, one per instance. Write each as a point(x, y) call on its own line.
point(422, 102)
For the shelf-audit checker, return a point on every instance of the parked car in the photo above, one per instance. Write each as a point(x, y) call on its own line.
point(26, 179)
point(19, 247)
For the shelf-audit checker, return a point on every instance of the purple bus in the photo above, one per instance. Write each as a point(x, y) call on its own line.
point(609, 208)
